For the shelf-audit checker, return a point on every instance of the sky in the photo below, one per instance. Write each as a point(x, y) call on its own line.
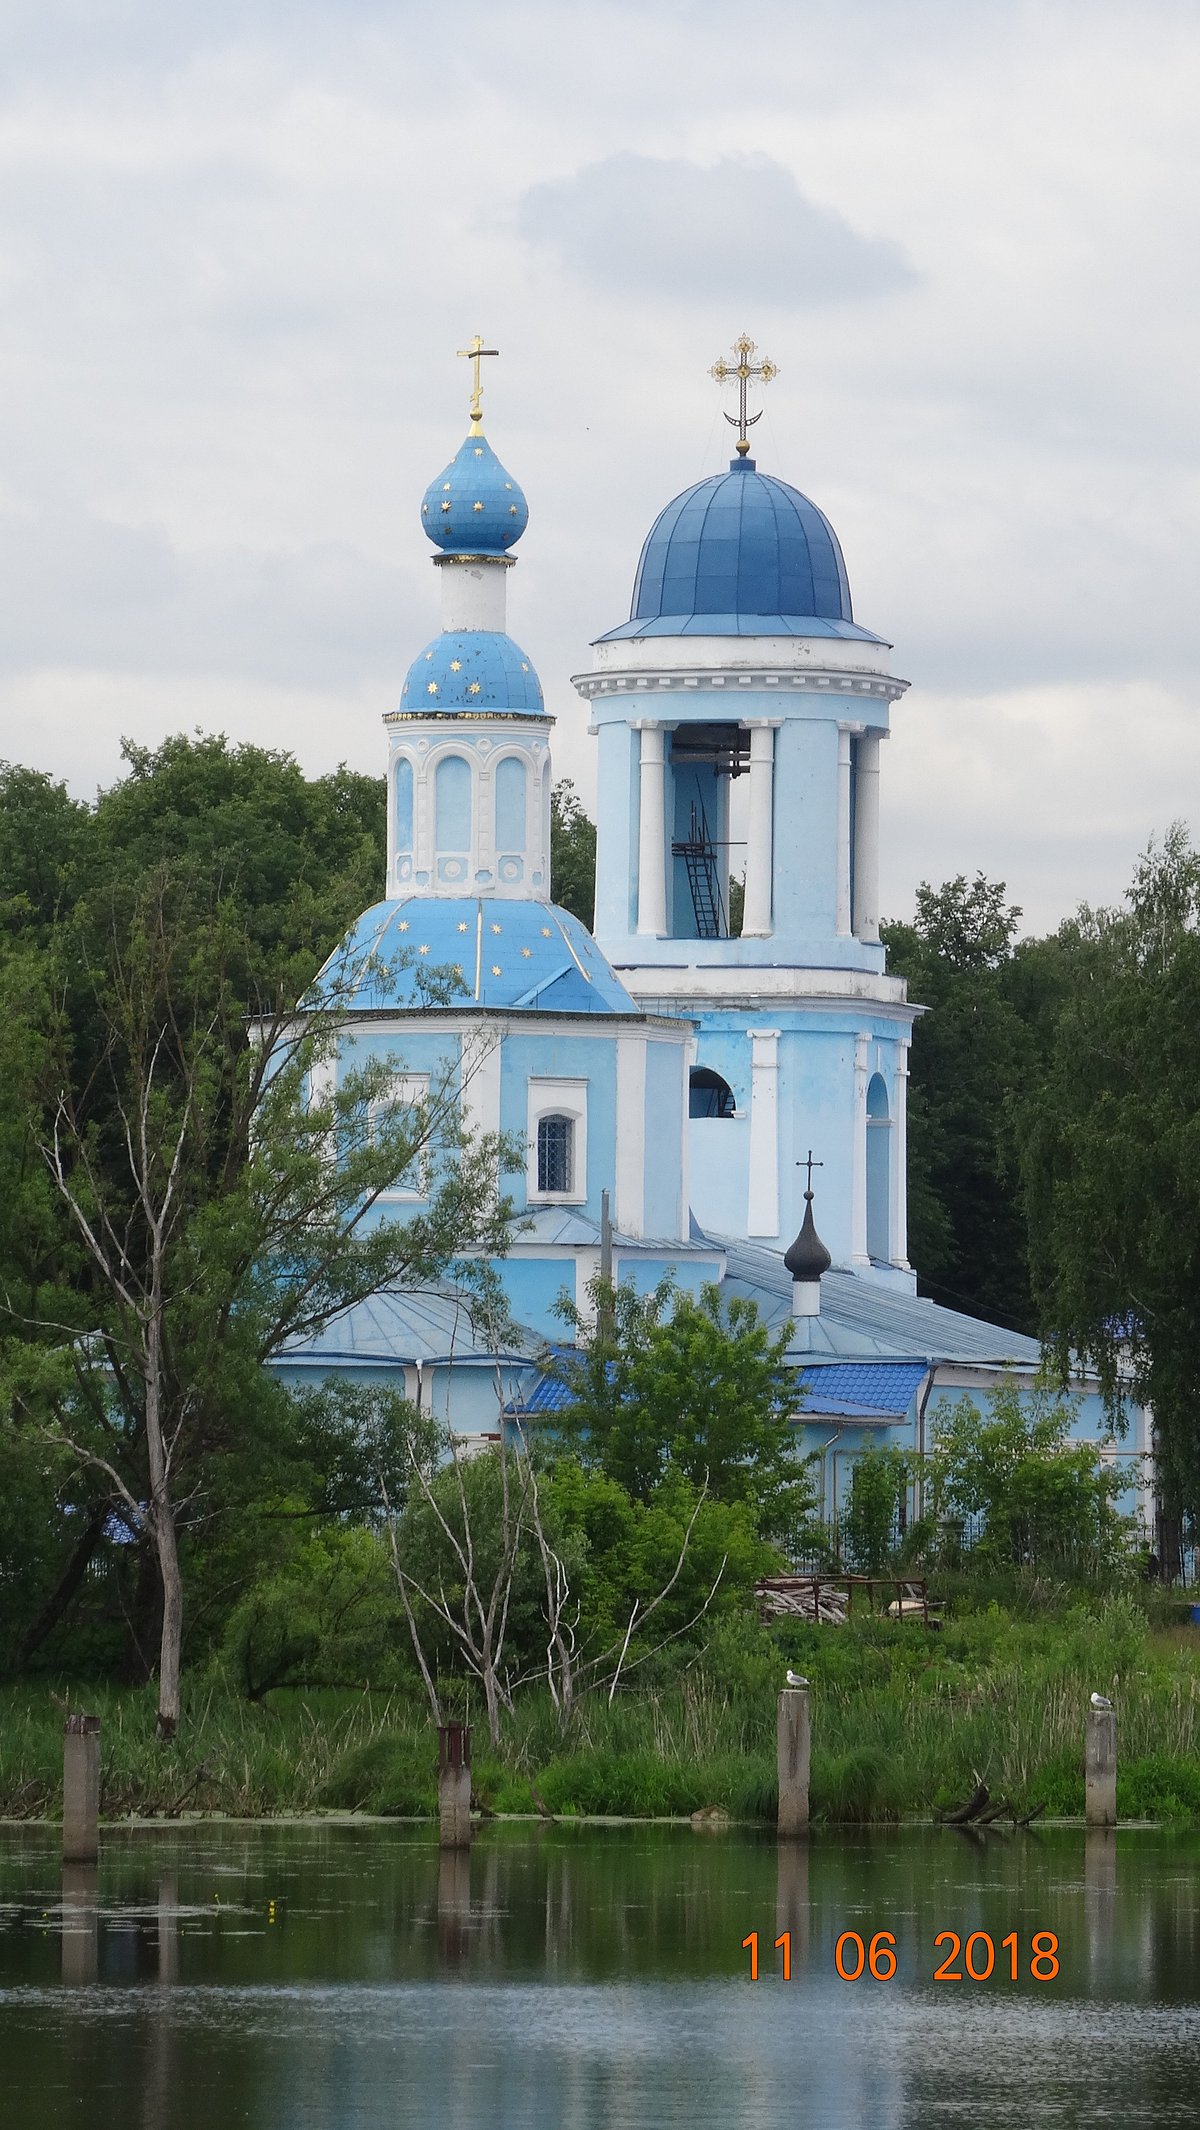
point(240, 243)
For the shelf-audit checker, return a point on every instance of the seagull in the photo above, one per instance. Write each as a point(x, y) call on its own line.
point(794, 1679)
point(1098, 1700)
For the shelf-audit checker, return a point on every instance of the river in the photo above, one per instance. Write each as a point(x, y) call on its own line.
point(337, 1976)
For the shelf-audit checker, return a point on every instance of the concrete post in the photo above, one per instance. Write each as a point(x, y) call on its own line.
point(793, 1741)
point(454, 1785)
point(81, 1789)
point(1100, 1768)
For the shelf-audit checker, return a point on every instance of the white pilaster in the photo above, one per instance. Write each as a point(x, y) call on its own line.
point(760, 855)
point(858, 1207)
point(480, 1081)
point(629, 1210)
point(762, 1210)
point(899, 1249)
point(652, 836)
point(866, 838)
point(843, 833)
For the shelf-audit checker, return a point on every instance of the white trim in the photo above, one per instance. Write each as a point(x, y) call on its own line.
point(899, 1251)
point(842, 855)
point(858, 1197)
point(652, 832)
point(762, 1197)
point(403, 1089)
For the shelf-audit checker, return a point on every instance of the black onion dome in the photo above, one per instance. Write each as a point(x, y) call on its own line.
point(808, 1258)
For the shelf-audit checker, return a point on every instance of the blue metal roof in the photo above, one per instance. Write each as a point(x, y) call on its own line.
point(742, 625)
point(474, 507)
point(527, 955)
point(472, 669)
point(742, 544)
point(876, 1386)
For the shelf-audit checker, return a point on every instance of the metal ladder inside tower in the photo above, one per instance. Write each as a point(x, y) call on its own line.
point(701, 862)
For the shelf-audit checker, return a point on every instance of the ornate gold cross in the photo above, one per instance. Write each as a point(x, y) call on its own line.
point(746, 372)
point(475, 354)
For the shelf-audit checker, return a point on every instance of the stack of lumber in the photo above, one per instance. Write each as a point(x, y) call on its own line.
point(801, 1597)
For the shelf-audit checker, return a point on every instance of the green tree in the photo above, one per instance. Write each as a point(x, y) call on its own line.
point(223, 1194)
point(694, 1384)
point(878, 1479)
point(1041, 1497)
point(977, 1053)
point(1111, 1160)
point(572, 853)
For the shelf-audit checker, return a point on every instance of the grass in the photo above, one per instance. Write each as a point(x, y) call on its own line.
point(904, 1723)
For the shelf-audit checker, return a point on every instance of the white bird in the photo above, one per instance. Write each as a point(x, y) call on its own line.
point(1098, 1701)
point(794, 1679)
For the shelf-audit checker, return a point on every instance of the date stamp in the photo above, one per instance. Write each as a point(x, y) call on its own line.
point(975, 1958)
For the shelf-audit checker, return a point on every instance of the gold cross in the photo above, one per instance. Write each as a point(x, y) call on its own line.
point(745, 372)
point(474, 354)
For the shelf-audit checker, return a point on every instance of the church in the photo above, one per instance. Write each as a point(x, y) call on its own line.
point(695, 1096)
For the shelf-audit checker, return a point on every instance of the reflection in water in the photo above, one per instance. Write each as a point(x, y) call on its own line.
point(80, 1924)
point(338, 1977)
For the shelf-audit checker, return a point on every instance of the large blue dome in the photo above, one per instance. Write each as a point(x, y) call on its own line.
point(427, 950)
point(474, 507)
point(740, 547)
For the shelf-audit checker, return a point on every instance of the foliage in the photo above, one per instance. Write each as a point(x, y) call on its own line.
point(696, 1383)
point(1041, 1496)
point(329, 1617)
point(572, 853)
point(1112, 1161)
point(978, 1052)
point(878, 1481)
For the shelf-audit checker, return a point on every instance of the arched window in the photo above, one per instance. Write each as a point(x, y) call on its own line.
point(452, 795)
point(555, 1153)
point(510, 804)
point(708, 1094)
point(879, 1171)
point(404, 805)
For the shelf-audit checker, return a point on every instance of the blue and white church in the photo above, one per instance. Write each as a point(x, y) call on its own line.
point(710, 1081)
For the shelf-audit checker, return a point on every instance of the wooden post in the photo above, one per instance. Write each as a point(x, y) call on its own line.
point(793, 1739)
point(1100, 1767)
point(80, 1925)
point(454, 1785)
point(81, 1789)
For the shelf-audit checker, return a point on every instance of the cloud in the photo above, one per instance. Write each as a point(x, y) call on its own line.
point(680, 228)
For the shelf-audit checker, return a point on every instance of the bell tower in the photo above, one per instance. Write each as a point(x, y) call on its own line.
point(742, 659)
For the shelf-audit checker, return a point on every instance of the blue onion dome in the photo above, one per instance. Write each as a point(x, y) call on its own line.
point(741, 554)
point(474, 507)
point(472, 669)
point(424, 950)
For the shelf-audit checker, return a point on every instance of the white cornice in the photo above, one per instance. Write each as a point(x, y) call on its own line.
point(810, 680)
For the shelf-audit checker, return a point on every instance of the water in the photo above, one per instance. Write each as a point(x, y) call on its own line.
point(334, 1977)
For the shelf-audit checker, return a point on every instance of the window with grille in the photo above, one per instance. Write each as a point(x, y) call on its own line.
point(555, 1151)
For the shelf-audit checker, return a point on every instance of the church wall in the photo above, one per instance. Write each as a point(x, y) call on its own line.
point(533, 1285)
point(556, 1056)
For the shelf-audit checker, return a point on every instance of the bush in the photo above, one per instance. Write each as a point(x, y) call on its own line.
point(390, 1774)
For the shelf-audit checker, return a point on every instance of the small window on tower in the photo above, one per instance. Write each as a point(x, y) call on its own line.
point(555, 1153)
point(709, 1095)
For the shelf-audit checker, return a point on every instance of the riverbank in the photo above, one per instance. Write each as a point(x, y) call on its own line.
point(904, 1723)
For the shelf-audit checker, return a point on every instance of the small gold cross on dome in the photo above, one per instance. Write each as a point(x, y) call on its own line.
point(474, 355)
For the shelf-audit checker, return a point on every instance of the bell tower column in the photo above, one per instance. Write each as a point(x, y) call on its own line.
point(760, 851)
point(866, 837)
point(652, 834)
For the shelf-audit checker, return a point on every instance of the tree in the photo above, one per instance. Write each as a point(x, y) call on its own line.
point(1041, 1497)
point(976, 1055)
point(572, 853)
point(224, 1194)
point(696, 1384)
point(1111, 1161)
point(878, 1479)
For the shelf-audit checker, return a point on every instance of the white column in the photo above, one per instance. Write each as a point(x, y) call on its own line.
point(629, 1210)
point(479, 1067)
point(866, 838)
point(762, 1210)
point(899, 1248)
point(843, 833)
point(760, 853)
point(652, 839)
point(858, 1207)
